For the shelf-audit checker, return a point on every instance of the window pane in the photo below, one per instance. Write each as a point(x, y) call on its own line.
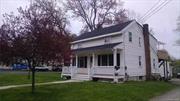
point(118, 59)
point(130, 37)
point(74, 62)
point(104, 60)
point(139, 42)
point(111, 60)
point(139, 60)
point(99, 60)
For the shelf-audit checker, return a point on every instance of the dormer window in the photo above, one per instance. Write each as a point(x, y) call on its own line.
point(130, 37)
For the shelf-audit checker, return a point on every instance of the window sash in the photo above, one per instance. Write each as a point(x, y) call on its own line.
point(105, 60)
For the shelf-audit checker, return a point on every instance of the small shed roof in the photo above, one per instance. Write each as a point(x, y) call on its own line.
point(163, 54)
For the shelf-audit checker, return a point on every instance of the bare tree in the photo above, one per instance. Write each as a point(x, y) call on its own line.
point(96, 13)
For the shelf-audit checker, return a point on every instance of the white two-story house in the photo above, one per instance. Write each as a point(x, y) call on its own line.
point(126, 51)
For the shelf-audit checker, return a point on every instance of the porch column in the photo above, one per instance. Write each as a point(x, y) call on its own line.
point(76, 61)
point(115, 57)
point(71, 61)
point(88, 66)
point(93, 59)
point(115, 63)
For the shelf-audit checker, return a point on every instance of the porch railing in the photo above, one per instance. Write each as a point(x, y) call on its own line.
point(71, 70)
point(107, 70)
point(96, 70)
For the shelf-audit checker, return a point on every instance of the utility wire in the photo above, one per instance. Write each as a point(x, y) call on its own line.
point(156, 10)
point(150, 9)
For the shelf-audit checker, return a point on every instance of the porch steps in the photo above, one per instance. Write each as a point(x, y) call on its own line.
point(82, 77)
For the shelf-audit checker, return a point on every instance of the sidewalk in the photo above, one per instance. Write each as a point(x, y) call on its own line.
point(173, 95)
point(37, 84)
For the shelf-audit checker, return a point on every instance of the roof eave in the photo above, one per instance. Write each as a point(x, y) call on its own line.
point(101, 36)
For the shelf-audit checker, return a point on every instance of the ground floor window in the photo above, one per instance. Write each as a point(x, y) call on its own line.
point(105, 60)
point(118, 59)
point(73, 61)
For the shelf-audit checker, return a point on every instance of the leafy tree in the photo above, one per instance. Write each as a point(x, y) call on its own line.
point(96, 13)
point(39, 34)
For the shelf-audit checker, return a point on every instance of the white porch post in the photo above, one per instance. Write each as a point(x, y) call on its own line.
point(93, 59)
point(115, 63)
point(93, 64)
point(115, 57)
point(76, 61)
point(88, 66)
point(71, 61)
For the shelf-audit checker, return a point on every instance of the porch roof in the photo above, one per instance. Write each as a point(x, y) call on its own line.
point(101, 47)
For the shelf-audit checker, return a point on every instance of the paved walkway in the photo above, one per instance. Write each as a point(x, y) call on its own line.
point(38, 84)
point(173, 95)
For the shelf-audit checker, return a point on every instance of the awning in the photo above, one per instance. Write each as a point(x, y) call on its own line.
point(101, 47)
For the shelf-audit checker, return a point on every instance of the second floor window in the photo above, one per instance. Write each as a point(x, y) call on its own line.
point(130, 37)
point(139, 42)
point(140, 61)
point(154, 63)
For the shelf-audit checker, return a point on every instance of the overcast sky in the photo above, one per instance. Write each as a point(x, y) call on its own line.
point(163, 22)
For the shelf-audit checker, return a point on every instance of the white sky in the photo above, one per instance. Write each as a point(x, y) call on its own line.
point(163, 22)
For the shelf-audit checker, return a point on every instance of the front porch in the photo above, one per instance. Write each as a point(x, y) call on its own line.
point(96, 64)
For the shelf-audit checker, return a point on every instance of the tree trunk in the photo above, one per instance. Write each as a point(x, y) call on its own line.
point(29, 67)
point(33, 76)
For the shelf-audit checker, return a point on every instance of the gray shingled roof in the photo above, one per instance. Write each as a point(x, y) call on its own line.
point(106, 46)
point(103, 31)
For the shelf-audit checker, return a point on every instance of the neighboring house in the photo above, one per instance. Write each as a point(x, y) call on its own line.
point(164, 64)
point(125, 51)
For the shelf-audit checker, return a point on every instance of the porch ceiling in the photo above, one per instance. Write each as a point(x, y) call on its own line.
point(101, 47)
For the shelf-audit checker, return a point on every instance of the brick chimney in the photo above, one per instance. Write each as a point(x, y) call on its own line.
point(147, 51)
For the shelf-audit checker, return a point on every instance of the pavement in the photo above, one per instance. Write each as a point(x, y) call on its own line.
point(173, 95)
point(38, 84)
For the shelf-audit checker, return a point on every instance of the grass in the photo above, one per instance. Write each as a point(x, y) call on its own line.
point(88, 91)
point(15, 78)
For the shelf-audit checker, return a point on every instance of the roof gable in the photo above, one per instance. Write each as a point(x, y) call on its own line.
point(103, 31)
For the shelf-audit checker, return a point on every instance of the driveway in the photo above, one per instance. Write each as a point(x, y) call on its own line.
point(173, 95)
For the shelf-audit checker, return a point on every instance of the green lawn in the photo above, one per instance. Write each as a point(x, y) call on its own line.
point(88, 91)
point(14, 78)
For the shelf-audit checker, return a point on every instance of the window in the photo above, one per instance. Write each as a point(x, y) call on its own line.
point(73, 61)
point(130, 37)
point(154, 63)
point(139, 42)
point(140, 61)
point(118, 59)
point(105, 60)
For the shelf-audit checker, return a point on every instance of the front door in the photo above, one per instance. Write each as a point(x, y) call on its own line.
point(82, 62)
point(82, 65)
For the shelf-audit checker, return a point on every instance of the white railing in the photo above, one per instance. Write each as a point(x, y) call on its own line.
point(107, 70)
point(71, 70)
point(101, 70)
point(66, 70)
point(120, 71)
